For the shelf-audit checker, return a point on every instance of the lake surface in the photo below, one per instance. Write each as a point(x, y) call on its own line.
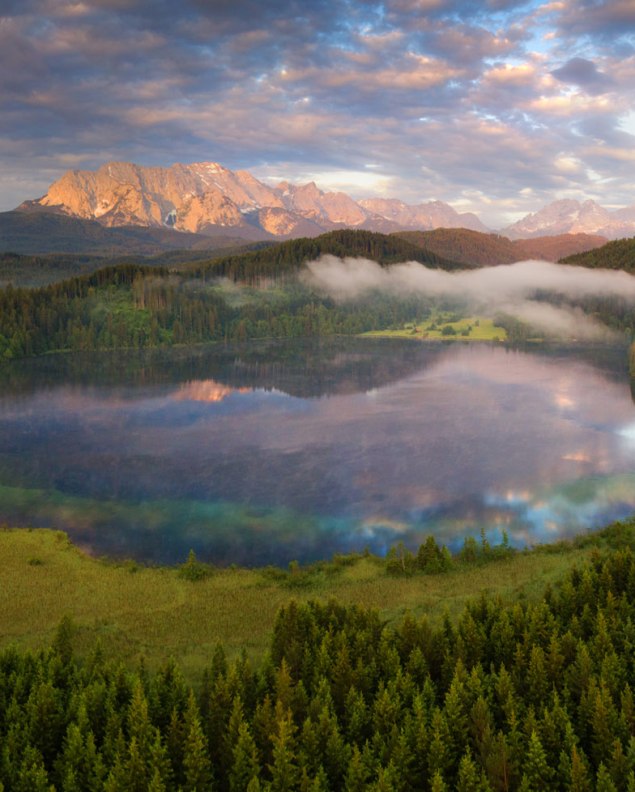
point(272, 452)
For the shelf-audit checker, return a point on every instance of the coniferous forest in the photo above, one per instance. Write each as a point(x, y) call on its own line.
point(258, 294)
point(512, 695)
point(509, 696)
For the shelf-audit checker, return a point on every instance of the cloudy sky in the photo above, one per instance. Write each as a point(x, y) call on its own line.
point(496, 107)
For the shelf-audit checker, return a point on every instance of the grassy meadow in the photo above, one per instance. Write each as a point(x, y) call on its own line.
point(160, 612)
point(447, 328)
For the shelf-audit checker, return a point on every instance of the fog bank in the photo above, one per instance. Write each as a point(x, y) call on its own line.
point(510, 289)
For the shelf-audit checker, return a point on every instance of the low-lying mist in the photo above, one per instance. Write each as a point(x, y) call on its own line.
point(511, 289)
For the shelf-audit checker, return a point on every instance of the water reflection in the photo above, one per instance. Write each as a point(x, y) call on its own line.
point(271, 453)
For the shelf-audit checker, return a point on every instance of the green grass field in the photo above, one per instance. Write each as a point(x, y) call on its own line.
point(156, 613)
point(440, 328)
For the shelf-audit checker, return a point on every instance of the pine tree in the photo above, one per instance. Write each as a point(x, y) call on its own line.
point(468, 778)
point(284, 769)
point(438, 784)
point(139, 726)
point(604, 720)
point(196, 764)
point(160, 762)
point(438, 758)
point(580, 781)
point(356, 774)
point(135, 771)
point(603, 782)
point(32, 776)
point(535, 769)
point(156, 782)
point(63, 641)
point(618, 766)
point(245, 761)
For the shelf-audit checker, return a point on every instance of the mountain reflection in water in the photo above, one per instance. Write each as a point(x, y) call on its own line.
point(279, 451)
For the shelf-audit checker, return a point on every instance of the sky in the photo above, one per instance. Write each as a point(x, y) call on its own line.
point(497, 107)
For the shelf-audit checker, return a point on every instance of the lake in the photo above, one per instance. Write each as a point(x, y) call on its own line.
point(270, 452)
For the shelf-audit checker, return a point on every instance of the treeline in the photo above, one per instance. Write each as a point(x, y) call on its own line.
point(33, 271)
point(86, 312)
point(616, 255)
point(274, 263)
point(137, 306)
point(473, 248)
point(134, 306)
point(517, 696)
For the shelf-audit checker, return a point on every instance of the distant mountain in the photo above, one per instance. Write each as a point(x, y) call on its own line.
point(572, 217)
point(424, 216)
point(206, 198)
point(473, 248)
point(35, 232)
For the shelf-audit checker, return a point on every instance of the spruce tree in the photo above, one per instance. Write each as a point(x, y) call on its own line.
point(284, 769)
point(356, 773)
point(580, 781)
point(535, 769)
point(196, 764)
point(245, 765)
point(468, 778)
point(604, 782)
point(438, 784)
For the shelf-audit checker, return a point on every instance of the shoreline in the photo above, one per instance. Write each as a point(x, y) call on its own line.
point(158, 612)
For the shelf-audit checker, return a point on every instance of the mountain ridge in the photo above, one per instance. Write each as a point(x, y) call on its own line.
point(473, 248)
point(209, 199)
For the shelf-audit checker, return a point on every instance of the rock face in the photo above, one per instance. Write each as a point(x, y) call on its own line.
point(203, 197)
point(207, 198)
point(424, 217)
point(573, 217)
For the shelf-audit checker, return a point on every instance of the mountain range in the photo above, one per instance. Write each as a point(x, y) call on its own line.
point(206, 198)
point(212, 201)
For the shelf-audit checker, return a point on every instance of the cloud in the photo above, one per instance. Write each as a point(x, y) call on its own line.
point(513, 289)
point(584, 73)
point(448, 98)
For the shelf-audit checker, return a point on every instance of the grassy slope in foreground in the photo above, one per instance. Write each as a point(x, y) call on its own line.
point(157, 613)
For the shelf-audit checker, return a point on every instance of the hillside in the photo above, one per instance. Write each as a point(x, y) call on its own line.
point(472, 248)
point(291, 255)
point(41, 232)
point(521, 686)
point(619, 255)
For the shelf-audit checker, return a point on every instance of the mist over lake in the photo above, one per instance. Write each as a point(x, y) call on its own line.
point(270, 452)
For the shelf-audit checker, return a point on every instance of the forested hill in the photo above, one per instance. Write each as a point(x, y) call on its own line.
point(509, 696)
point(473, 248)
point(290, 256)
point(618, 255)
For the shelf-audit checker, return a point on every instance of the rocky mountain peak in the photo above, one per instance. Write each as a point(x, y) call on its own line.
point(207, 197)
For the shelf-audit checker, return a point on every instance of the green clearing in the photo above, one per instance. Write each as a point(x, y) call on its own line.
point(158, 613)
point(447, 328)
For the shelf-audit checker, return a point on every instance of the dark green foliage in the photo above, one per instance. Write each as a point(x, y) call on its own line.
point(515, 696)
point(616, 255)
point(192, 569)
point(432, 558)
point(131, 306)
point(275, 262)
